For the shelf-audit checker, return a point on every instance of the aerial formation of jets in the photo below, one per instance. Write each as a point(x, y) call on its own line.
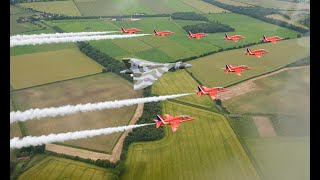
point(173, 121)
point(145, 73)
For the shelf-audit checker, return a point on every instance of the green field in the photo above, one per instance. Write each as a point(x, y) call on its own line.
point(208, 69)
point(205, 148)
point(282, 158)
point(277, 4)
point(285, 95)
point(249, 27)
point(128, 7)
point(181, 82)
point(284, 19)
point(16, 28)
point(172, 47)
point(96, 88)
point(39, 68)
point(28, 49)
point(57, 7)
point(59, 168)
point(204, 6)
point(234, 3)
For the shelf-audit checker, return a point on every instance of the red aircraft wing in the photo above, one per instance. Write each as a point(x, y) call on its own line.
point(174, 126)
point(258, 54)
point(168, 116)
point(238, 72)
point(235, 39)
point(213, 95)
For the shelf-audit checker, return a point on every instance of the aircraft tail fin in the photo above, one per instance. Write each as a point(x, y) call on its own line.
point(227, 36)
point(123, 30)
point(158, 123)
point(155, 31)
point(159, 118)
point(190, 33)
point(228, 67)
point(265, 37)
point(249, 51)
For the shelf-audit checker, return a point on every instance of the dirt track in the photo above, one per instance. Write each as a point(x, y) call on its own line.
point(249, 85)
point(264, 126)
point(116, 152)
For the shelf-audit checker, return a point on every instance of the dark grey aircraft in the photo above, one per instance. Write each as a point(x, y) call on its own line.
point(145, 73)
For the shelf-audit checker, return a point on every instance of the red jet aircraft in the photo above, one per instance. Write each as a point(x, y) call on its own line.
point(130, 31)
point(196, 35)
point(211, 91)
point(257, 52)
point(272, 39)
point(234, 38)
point(173, 121)
point(236, 69)
point(162, 33)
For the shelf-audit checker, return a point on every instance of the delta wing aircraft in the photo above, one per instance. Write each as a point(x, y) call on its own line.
point(162, 33)
point(130, 31)
point(173, 121)
point(212, 92)
point(236, 69)
point(257, 52)
point(196, 35)
point(272, 39)
point(234, 38)
point(145, 73)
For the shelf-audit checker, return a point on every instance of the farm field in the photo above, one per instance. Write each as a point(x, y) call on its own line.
point(16, 28)
point(177, 46)
point(284, 19)
point(249, 27)
point(29, 49)
point(278, 95)
point(277, 4)
point(125, 7)
point(96, 88)
point(15, 130)
point(58, 168)
point(181, 82)
point(208, 69)
point(58, 7)
point(191, 151)
point(50, 67)
point(204, 6)
point(234, 3)
point(282, 158)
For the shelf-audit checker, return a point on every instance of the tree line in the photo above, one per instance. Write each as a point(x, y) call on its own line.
point(188, 16)
point(211, 27)
point(259, 13)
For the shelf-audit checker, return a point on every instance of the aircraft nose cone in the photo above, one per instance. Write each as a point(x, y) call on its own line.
point(188, 65)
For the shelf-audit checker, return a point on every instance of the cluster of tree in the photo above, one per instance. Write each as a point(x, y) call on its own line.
point(306, 22)
point(28, 151)
point(259, 13)
point(146, 133)
point(110, 64)
point(26, 1)
point(212, 27)
point(189, 16)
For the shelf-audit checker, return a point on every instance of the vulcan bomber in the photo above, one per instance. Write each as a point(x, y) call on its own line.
point(145, 73)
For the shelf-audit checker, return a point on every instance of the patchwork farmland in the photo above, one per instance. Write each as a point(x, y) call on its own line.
point(191, 151)
point(82, 90)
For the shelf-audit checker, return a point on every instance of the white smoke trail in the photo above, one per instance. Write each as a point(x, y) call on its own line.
point(55, 35)
point(38, 41)
point(45, 139)
point(72, 109)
